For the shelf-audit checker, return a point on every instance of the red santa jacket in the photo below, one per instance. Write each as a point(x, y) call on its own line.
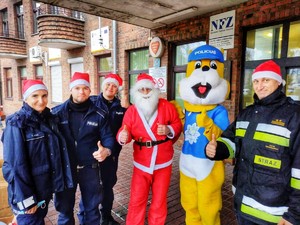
point(158, 156)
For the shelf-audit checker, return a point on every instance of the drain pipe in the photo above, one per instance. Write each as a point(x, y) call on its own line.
point(114, 26)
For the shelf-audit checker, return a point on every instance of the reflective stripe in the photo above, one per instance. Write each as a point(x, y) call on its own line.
point(274, 139)
point(274, 129)
point(26, 203)
point(256, 209)
point(240, 132)
point(273, 134)
point(241, 127)
point(295, 183)
point(295, 180)
point(229, 144)
point(242, 124)
point(268, 162)
point(296, 173)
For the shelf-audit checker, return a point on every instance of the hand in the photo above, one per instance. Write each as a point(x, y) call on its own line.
point(284, 222)
point(101, 154)
point(211, 147)
point(123, 136)
point(32, 210)
point(162, 129)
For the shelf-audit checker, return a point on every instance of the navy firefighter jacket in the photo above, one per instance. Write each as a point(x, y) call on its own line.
point(94, 127)
point(36, 162)
point(265, 141)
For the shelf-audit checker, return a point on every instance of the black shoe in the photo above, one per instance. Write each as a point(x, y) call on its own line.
point(109, 221)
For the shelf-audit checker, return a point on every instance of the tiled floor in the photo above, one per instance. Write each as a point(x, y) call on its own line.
point(176, 214)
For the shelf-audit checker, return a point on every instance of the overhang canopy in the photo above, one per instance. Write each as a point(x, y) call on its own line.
point(145, 13)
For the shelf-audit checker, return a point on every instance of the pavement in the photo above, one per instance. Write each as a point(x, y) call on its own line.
point(176, 214)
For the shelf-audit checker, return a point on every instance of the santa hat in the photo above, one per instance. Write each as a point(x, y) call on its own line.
point(80, 78)
point(144, 80)
point(30, 86)
point(268, 69)
point(206, 52)
point(113, 78)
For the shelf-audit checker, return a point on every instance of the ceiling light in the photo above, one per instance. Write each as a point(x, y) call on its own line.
point(176, 14)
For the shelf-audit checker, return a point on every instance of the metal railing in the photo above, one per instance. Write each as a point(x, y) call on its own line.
point(55, 10)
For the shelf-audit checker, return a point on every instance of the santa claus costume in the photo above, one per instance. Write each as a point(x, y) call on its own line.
point(153, 152)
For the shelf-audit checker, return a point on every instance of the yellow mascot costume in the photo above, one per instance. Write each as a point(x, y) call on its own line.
point(202, 90)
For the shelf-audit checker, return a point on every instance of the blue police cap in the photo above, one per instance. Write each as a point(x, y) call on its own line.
point(206, 52)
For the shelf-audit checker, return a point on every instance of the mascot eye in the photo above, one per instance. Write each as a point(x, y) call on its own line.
point(198, 65)
point(213, 64)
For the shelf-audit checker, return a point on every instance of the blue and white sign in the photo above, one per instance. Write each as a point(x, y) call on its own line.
point(221, 30)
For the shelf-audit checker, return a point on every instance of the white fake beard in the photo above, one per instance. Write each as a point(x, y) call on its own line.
point(147, 104)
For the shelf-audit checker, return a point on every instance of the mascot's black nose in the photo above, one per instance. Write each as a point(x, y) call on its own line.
point(205, 68)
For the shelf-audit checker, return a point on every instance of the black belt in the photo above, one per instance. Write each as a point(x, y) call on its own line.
point(150, 144)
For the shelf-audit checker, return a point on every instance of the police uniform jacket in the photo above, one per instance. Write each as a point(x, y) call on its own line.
point(36, 162)
point(115, 116)
point(94, 127)
point(265, 141)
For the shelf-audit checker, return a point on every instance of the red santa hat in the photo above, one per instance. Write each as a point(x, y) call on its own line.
point(268, 69)
point(80, 78)
point(144, 80)
point(113, 78)
point(30, 86)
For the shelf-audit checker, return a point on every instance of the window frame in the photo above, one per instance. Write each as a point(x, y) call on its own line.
point(283, 61)
point(4, 22)
point(20, 20)
point(8, 83)
point(138, 71)
point(102, 74)
point(21, 79)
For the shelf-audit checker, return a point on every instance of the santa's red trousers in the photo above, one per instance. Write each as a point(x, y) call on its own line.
point(141, 183)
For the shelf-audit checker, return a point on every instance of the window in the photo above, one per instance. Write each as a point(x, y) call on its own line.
point(179, 68)
point(20, 21)
point(39, 72)
point(138, 63)
point(4, 18)
point(294, 40)
point(8, 82)
point(105, 66)
point(35, 9)
point(264, 43)
point(22, 76)
point(280, 43)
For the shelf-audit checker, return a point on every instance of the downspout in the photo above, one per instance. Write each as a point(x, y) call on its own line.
point(114, 26)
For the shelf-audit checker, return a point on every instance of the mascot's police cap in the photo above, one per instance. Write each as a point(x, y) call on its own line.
point(206, 52)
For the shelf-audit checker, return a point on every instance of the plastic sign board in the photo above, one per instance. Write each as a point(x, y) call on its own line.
point(156, 47)
point(221, 30)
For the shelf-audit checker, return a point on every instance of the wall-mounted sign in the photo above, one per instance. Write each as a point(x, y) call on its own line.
point(156, 47)
point(159, 75)
point(99, 44)
point(221, 30)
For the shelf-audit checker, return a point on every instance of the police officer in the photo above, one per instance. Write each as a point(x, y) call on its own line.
point(87, 132)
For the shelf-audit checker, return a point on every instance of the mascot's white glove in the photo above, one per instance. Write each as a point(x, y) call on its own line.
point(203, 120)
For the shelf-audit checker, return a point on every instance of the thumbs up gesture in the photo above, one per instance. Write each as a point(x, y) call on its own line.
point(102, 152)
point(211, 147)
point(123, 136)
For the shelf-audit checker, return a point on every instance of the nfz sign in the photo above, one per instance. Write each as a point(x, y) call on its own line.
point(221, 29)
